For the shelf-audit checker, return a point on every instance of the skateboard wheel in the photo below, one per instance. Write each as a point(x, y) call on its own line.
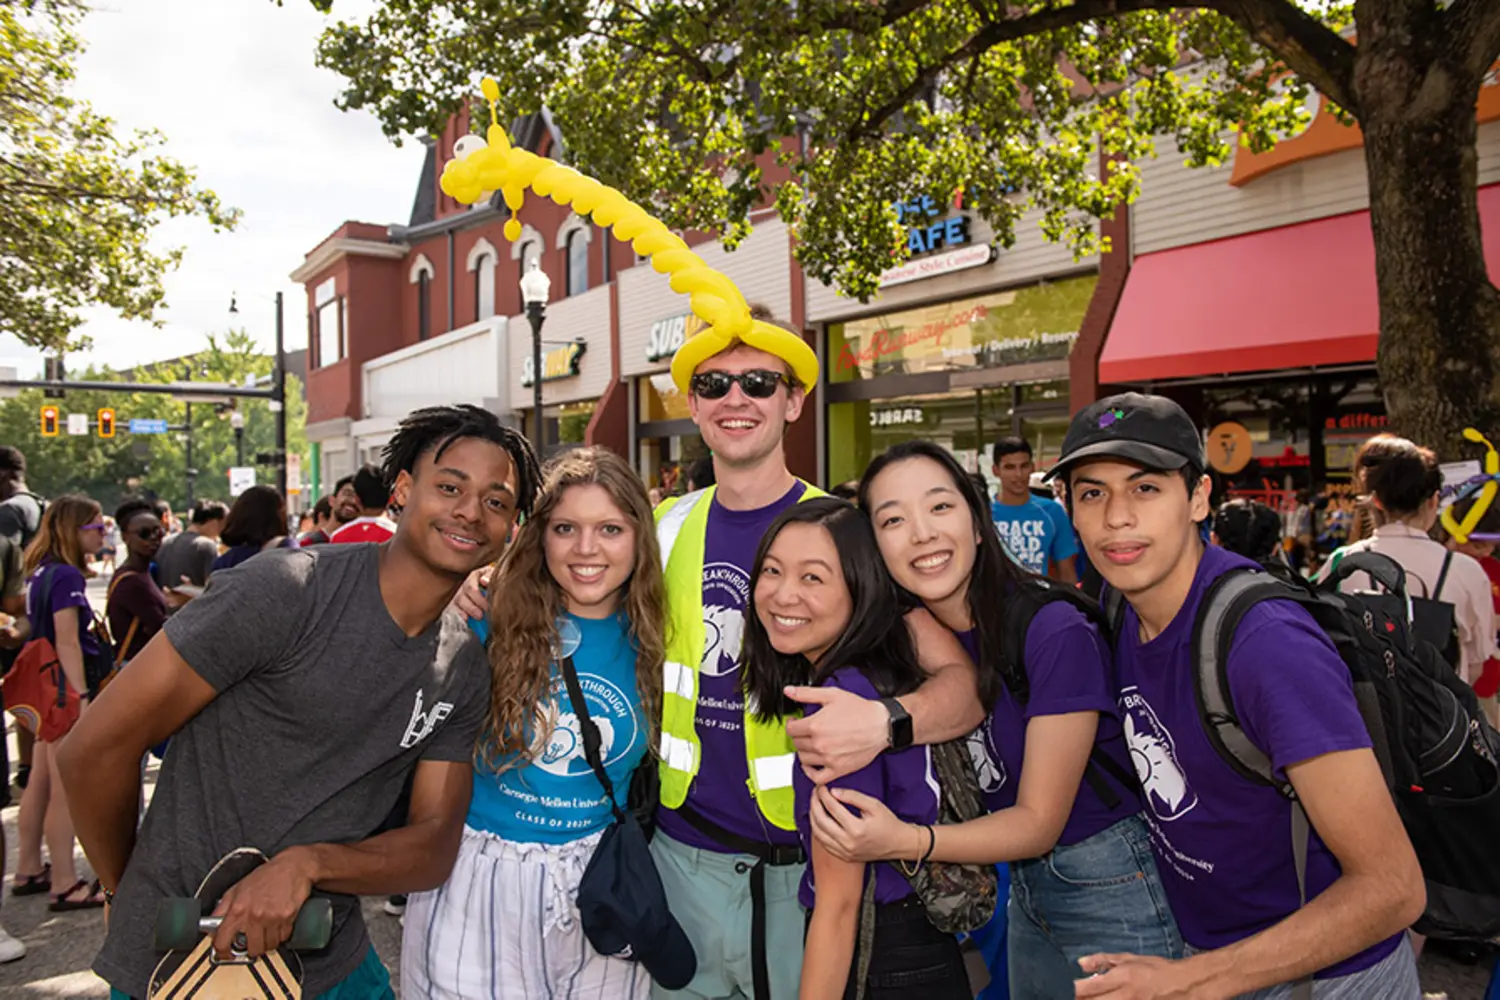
point(177, 923)
point(314, 927)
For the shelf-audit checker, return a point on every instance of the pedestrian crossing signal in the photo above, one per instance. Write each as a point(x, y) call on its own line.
point(49, 421)
point(106, 422)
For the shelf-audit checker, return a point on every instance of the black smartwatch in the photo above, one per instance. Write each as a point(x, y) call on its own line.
point(898, 732)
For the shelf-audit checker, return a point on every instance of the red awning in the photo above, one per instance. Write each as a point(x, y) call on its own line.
point(1292, 297)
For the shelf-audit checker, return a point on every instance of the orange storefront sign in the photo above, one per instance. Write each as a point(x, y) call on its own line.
point(1326, 134)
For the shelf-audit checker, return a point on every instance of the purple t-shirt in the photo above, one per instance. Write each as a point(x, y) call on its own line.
point(720, 792)
point(1223, 844)
point(69, 590)
point(902, 779)
point(1068, 670)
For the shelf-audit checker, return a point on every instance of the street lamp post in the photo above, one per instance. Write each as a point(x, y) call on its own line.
point(536, 288)
point(237, 421)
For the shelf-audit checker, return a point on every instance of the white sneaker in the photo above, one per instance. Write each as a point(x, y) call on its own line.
point(10, 948)
point(395, 905)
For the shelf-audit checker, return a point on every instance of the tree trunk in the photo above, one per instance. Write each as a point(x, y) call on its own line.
point(1439, 355)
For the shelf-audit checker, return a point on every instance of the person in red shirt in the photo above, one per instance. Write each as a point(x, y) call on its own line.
point(372, 525)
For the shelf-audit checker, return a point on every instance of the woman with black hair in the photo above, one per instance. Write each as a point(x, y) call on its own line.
point(135, 607)
point(256, 522)
point(1050, 755)
point(1248, 528)
point(824, 612)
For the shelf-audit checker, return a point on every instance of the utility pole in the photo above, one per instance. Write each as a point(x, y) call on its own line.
point(187, 409)
point(278, 399)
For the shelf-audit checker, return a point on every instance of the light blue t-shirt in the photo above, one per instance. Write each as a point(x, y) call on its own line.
point(1033, 532)
point(557, 798)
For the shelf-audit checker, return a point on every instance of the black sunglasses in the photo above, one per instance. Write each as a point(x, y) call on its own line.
point(758, 383)
point(146, 534)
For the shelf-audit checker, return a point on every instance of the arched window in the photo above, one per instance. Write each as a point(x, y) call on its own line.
point(578, 262)
point(424, 306)
point(484, 287)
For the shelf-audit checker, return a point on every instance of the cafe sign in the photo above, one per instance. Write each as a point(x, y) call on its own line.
point(559, 363)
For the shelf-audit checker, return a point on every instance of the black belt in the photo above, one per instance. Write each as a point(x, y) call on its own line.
point(772, 855)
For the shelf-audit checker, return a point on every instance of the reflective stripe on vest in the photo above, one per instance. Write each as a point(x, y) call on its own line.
point(681, 532)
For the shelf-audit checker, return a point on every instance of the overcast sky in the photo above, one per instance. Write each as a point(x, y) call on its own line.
point(233, 86)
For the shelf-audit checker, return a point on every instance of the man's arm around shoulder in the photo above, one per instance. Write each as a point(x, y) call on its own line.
point(849, 732)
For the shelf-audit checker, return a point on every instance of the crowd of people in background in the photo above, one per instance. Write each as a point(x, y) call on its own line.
point(807, 680)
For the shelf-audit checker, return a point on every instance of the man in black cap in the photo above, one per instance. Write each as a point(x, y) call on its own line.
point(1134, 470)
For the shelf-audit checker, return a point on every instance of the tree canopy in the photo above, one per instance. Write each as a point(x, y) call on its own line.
point(1018, 104)
point(153, 465)
point(79, 197)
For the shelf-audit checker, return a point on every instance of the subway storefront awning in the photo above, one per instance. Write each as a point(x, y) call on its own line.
point(1293, 297)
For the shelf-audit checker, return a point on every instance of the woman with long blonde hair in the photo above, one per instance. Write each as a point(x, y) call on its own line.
point(581, 584)
point(57, 606)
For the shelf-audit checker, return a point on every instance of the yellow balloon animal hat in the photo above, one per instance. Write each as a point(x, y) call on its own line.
point(493, 164)
point(1485, 486)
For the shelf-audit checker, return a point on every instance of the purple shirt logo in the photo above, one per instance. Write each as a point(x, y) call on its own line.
point(988, 765)
point(726, 592)
point(1154, 754)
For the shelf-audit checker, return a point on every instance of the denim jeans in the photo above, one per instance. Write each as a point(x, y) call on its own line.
point(1392, 978)
point(1102, 894)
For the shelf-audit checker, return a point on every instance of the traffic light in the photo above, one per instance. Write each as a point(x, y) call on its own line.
point(106, 422)
point(49, 421)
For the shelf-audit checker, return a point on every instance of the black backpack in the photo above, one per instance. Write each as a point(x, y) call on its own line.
point(1024, 602)
point(1436, 750)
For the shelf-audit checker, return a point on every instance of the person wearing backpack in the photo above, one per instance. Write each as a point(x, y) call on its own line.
point(1054, 771)
point(1249, 528)
point(58, 608)
point(1231, 849)
point(1404, 481)
point(824, 613)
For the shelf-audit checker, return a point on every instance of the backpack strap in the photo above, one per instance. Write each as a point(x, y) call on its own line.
point(1437, 592)
point(1020, 611)
point(1220, 613)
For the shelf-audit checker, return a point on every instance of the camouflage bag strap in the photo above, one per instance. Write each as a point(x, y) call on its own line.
point(958, 898)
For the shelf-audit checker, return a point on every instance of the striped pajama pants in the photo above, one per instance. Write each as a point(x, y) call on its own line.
point(505, 927)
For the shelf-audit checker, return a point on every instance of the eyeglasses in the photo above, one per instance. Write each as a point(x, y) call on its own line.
point(100, 526)
point(758, 383)
point(146, 534)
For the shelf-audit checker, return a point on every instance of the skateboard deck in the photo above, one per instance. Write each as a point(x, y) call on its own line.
point(199, 974)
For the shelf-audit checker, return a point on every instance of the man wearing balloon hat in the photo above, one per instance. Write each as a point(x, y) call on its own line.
point(728, 849)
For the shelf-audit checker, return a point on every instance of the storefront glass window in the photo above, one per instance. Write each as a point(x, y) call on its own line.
point(1036, 323)
point(966, 423)
point(658, 399)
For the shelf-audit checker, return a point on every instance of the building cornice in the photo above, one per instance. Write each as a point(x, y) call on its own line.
point(330, 251)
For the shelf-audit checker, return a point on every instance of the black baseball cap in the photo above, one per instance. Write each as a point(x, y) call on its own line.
point(1151, 431)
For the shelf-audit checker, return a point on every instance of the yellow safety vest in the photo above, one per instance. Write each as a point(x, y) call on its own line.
point(681, 530)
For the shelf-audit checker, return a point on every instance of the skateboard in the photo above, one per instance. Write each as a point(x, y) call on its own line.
point(184, 930)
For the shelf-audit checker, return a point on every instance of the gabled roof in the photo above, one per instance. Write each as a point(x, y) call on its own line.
point(424, 206)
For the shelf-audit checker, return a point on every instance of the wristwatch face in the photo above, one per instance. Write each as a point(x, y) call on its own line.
point(900, 725)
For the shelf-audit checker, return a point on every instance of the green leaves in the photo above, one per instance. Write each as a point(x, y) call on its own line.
point(686, 105)
point(78, 199)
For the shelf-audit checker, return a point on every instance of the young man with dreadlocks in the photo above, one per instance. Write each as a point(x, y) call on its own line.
point(300, 691)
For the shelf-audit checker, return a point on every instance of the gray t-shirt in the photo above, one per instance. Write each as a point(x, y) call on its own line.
point(21, 518)
point(324, 708)
point(185, 554)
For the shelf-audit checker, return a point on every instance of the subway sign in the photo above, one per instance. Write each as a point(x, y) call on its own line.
point(667, 335)
point(559, 363)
